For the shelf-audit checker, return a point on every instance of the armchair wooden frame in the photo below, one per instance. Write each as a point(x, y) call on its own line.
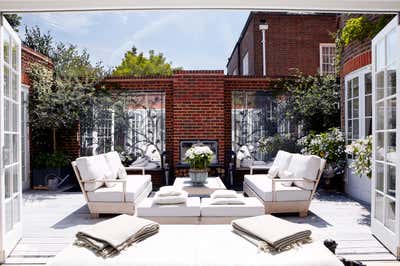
point(274, 206)
point(120, 207)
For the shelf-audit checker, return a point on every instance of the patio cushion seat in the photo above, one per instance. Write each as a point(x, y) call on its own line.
point(252, 207)
point(282, 161)
point(305, 166)
point(135, 185)
point(147, 208)
point(113, 163)
point(93, 168)
point(262, 186)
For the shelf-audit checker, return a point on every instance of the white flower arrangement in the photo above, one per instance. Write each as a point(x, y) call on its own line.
point(199, 156)
point(361, 150)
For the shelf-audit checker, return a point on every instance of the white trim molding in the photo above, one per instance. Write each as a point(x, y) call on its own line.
point(385, 6)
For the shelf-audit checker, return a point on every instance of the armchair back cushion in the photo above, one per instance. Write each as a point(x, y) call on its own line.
point(113, 163)
point(282, 161)
point(305, 166)
point(93, 168)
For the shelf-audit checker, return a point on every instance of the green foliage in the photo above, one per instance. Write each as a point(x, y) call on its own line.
point(310, 101)
point(14, 20)
point(38, 41)
point(361, 149)
point(135, 64)
point(356, 29)
point(50, 160)
point(272, 145)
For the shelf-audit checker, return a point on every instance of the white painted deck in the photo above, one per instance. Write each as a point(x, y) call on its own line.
point(52, 219)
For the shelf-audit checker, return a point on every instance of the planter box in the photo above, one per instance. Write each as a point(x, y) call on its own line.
point(358, 187)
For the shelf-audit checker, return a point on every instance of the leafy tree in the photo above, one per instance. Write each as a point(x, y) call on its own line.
point(135, 64)
point(38, 41)
point(311, 101)
point(14, 20)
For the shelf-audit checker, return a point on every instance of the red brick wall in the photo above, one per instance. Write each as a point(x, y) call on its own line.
point(29, 56)
point(292, 42)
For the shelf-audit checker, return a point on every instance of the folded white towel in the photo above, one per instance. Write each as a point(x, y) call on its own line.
point(169, 191)
point(228, 201)
point(165, 200)
point(222, 193)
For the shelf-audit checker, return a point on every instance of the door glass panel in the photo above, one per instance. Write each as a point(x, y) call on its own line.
point(379, 176)
point(15, 119)
point(368, 83)
point(356, 131)
point(391, 181)
point(355, 87)
point(350, 113)
point(14, 55)
point(379, 148)
point(14, 86)
point(7, 179)
point(349, 90)
point(7, 89)
point(392, 48)
point(391, 147)
point(9, 217)
point(7, 149)
point(15, 179)
point(16, 209)
point(379, 207)
point(355, 108)
point(391, 82)
point(7, 116)
point(368, 126)
point(368, 105)
point(380, 81)
point(380, 55)
point(6, 47)
point(390, 206)
point(391, 114)
point(380, 116)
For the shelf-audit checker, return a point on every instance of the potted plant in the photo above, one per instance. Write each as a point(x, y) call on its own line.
point(199, 158)
point(361, 150)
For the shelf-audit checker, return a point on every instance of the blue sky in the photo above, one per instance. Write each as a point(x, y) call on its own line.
point(190, 39)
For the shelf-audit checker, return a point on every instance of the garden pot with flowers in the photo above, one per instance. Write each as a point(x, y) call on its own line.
point(199, 158)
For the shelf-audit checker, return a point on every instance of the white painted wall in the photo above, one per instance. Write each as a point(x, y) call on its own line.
point(358, 187)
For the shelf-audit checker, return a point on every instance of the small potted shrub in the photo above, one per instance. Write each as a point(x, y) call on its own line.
point(199, 158)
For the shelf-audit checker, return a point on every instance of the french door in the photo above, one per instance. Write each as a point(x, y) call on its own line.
point(385, 217)
point(10, 139)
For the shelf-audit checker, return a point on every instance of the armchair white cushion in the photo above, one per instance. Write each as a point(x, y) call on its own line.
point(305, 166)
point(113, 162)
point(282, 161)
point(263, 188)
point(93, 168)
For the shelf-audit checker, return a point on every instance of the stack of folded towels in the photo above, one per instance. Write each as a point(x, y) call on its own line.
point(170, 195)
point(226, 197)
point(110, 237)
point(270, 233)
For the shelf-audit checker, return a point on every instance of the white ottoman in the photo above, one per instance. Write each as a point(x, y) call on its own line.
point(184, 213)
point(216, 214)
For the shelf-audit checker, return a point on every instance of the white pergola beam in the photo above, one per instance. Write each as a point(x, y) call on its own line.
point(363, 6)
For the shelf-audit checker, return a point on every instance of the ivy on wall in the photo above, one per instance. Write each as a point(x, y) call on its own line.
point(357, 29)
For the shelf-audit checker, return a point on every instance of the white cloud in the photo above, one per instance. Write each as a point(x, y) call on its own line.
point(77, 23)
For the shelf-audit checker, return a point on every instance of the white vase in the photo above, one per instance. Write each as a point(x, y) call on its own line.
point(198, 176)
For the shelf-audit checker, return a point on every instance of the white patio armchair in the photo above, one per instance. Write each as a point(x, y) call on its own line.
point(107, 188)
point(289, 185)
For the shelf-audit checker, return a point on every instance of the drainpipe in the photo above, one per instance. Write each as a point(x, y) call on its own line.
point(263, 28)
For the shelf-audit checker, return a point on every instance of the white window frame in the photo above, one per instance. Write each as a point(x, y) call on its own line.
point(245, 64)
point(321, 58)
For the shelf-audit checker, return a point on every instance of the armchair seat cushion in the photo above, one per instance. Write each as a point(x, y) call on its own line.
point(262, 186)
point(135, 185)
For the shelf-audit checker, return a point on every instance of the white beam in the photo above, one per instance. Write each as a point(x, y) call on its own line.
point(387, 6)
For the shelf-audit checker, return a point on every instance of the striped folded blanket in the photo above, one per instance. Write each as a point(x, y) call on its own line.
point(271, 233)
point(109, 238)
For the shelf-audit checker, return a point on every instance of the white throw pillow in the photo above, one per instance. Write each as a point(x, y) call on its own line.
point(109, 176)
point(273, 171)
point(169, 191)
point(122, 174)
point(92, 168)
point(222, 193)
point(287, 175)
point(282, 161)
point(113, 162)
point(305, 166)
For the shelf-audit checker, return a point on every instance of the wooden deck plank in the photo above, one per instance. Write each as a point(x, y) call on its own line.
point(52, 219)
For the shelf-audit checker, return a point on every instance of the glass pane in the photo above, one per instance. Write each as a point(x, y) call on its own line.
point(7, 179)
point(349, 110)
point(355, 87)
point(15, 119)
point(349, 89)
point(368, 126)
point(380, 170)
point(391, 181)
point(379, 148)
point(391, 82)
point(14, 88)
point(380, 85)
point(15, 178)
point(350, 130)
point(391, 114)
point(7, 149)
point(355, 108)
point(6, 47)
point(14, 55)
point(379, 207)
point(390, 206)
point(380, 116)
point(368, 105)
point(16, 209)
point(380, 55)
point(356, 130)
point(9, 223)
point(368, 83)
point(392, 48)
point(7, 115)
point(7, 89)
point(391, 147)
point(15, 150)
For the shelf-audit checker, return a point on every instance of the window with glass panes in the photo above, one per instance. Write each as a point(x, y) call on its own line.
point(352, 109)
point(327, 53)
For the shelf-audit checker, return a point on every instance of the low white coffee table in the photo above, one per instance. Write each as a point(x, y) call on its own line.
point(212, 184)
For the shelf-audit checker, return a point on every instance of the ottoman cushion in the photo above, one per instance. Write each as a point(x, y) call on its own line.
point(147, 208)
point(253, 207)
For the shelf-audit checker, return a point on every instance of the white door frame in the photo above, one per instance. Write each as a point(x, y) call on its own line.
point(391, 239)
point(8, 240)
